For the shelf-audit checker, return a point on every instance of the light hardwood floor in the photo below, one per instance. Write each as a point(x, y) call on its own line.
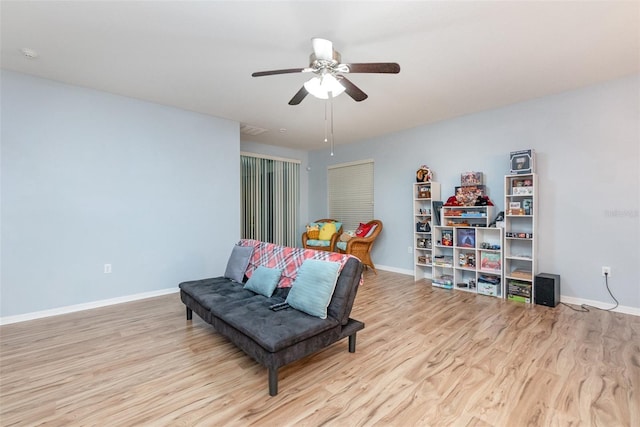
point(426, 357)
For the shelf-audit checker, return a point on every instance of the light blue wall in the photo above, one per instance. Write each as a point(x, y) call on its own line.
point(90, 178)
point(587, 143)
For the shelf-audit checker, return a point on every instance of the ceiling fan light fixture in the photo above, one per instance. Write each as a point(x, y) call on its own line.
point(320, 86)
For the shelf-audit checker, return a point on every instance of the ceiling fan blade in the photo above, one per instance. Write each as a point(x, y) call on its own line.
point(323, 49)
point(272, 72)
point(298, 97)
point(374, 67)
point(352, 90)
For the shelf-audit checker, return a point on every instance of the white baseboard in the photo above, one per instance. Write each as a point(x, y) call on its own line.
point(85, 306)
point(128, 298)
point(568, 300)
point(395, 270)
point(604, 305)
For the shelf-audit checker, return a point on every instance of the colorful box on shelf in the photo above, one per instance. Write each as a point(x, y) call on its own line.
point(517, 235)
point(519, 288)
point(424, 259)
point(451, 223)
point(516, 211)
point(521, 274)
point(445, 281)
point(522, 191)
point(518, 298)
point(424, 192)
point(443, 261)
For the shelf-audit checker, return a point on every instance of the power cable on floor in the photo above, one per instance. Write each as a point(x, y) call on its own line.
point(584, 308)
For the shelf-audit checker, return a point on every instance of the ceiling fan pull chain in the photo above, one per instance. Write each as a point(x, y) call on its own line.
point(331, 107)
point(326, 123)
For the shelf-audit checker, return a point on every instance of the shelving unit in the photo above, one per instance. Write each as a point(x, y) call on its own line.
point(468, 259)
point(520, 236)
point(423, 196)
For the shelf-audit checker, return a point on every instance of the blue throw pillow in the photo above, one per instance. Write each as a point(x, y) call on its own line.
point(264, 280)
point(313, 288)
point(238, 262)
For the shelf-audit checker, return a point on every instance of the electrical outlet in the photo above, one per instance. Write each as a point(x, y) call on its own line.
point(409, 250)
point(606, 271)
point(107, 268)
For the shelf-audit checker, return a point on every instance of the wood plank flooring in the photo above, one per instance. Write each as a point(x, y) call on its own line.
point(427, 357)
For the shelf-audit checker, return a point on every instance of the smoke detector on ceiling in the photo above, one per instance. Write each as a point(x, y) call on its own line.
point(29, 53)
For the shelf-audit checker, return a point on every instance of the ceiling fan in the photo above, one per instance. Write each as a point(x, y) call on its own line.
point(329, 80)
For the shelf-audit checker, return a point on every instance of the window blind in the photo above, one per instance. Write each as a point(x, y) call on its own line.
point(270, 199)
point(350, 193)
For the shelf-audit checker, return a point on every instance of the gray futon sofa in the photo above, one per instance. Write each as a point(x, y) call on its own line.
point(275, 338)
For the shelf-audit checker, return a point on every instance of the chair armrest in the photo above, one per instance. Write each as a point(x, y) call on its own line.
point(359, 241)
point(334, 241)
point(304, 240)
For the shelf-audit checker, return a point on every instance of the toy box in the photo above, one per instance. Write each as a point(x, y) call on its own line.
point(488, 289)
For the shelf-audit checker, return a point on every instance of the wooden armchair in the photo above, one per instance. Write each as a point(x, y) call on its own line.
point(321, 245)
point(360, 247)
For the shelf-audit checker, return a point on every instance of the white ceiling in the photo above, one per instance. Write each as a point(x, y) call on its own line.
point(456, 58)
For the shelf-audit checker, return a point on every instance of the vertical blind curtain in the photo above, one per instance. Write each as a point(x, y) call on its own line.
point(350, 192)
point(270, 200)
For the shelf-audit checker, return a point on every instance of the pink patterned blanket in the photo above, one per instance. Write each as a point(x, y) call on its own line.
point(287, 259)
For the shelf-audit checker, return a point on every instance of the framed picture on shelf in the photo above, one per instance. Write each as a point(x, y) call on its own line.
point(523, 161)
point(447, 237)
point(514, 205)
point(490, 261)
point(527, 205)
point(466, 237)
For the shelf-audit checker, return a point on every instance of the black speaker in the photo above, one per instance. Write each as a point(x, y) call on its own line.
point(547, 289)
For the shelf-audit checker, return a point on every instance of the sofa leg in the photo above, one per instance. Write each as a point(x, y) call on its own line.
point(189, 314)
point(273, 381)
point(352, 343)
